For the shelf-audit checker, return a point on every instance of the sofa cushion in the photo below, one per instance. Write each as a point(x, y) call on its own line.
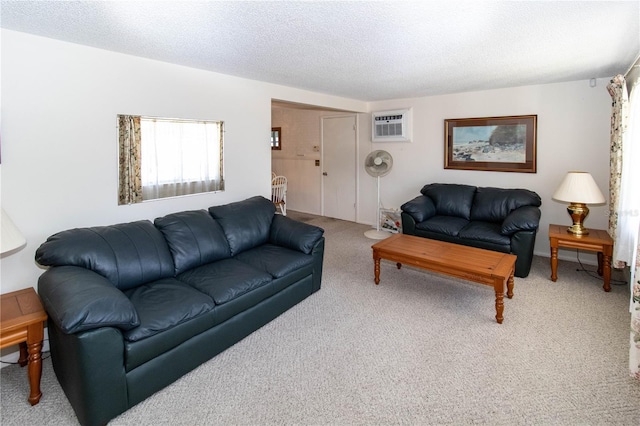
point(163, 304)
point(225, 279)
point(127, 254)
point(450, 199)
point(140, 351)
point(447, 225)
point(484, 231)
point(237, 308)
point(194, 238)
point(495, 204)
point(277, 261)
point(246, 224)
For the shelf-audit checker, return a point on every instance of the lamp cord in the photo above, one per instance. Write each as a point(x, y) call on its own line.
point(45, 355)
point(595, 274)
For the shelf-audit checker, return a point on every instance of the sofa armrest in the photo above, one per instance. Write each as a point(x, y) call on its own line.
point(77, 299)
point(420, 208)
point(408, 224)
point(293, 234)
point(525, 218)
point(318, 258)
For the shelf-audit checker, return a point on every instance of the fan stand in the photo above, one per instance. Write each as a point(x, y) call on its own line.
point(377, 234)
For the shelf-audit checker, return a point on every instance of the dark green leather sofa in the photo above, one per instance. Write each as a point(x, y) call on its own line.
point(498, 219)
point(133, 307)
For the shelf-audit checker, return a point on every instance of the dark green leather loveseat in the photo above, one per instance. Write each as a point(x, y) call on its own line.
point(132, 307)
point(498, 219)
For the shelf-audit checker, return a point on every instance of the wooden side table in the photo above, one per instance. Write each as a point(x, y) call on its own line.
point(597, 240)
point(22, 322)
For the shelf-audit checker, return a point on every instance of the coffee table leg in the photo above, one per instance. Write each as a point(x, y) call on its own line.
point(510, 286)
point(376, 270)
point(499, 307)
point(498, 286)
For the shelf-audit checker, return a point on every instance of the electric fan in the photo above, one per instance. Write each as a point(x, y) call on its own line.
point(378, 163)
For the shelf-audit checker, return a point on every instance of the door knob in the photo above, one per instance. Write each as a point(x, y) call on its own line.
point(324, 174)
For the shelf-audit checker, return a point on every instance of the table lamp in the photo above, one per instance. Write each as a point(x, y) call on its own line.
point(10, 237)
point(578, 189)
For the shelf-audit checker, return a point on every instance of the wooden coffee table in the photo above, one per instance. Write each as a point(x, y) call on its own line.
point(478, 265)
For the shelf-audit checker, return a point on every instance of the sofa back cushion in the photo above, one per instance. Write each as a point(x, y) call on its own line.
point(450, 199)
point(246, 224)
point(127, 254)
point(495, 204)
point(194, 238)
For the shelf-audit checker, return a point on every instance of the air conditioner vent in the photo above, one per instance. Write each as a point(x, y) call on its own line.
point(391, 126)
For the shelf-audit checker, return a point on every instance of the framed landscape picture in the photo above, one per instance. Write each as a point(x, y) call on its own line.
point(500, 144)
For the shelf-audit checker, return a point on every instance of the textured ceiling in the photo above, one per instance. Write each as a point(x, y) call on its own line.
point(366, 50)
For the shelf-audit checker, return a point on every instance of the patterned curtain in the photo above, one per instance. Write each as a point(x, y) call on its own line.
point(632, 156)
point(634, 349)
point(130, 182)
point(618, 91)
point(624, 208)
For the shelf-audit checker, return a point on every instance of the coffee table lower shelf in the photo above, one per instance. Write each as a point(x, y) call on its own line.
point(478, 265)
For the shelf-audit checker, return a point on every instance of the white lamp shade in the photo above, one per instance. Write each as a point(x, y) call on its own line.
point(579, 187)
point(10, 236)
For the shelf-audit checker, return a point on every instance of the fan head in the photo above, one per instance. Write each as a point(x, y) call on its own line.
point(378, 163)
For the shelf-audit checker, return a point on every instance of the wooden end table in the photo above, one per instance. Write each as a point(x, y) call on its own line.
point(22, 322)
point(597, 240)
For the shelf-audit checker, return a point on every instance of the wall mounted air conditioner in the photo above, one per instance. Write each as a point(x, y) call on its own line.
point(391, 126)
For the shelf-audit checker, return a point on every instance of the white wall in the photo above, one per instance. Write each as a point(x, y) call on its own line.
point(573, 134)
point(59, 135)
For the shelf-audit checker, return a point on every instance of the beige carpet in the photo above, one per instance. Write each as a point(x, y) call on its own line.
point(418, 349)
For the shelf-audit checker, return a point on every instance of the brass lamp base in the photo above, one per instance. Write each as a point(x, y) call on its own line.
point(578, 213)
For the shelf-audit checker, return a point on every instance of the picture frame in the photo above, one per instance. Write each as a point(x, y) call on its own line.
point(499, 144)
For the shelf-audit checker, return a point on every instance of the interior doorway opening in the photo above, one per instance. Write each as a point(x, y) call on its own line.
point(301, 158)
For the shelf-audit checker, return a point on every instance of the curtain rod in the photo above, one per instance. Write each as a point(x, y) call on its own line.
point(634, 64)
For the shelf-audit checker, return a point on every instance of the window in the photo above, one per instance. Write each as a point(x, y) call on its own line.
point(162, 157)
point(276, 138)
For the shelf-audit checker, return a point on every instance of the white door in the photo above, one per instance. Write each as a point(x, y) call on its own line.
point(339, 167)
